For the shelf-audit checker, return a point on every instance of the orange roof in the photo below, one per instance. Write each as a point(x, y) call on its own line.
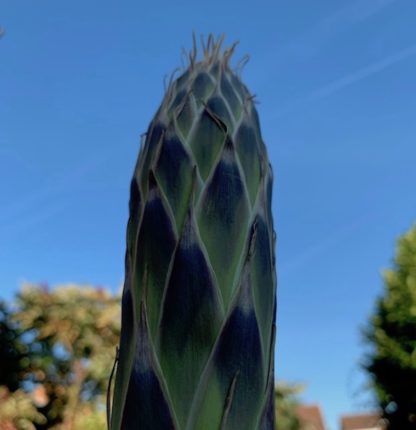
point(371, 421)
point(310, 417)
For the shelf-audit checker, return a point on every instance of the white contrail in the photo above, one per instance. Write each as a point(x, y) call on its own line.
point(323, 245)
point(317, 36)
point(355, 12)
point(72, 176)
point(349, 79)
point(363, 73)
point(39, 205)
point(312, 40)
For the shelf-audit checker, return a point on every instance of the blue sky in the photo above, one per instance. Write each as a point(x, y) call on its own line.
point(80, 81)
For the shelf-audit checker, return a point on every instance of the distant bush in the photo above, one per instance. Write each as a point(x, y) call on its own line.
point(392, 337)
point(57, 348)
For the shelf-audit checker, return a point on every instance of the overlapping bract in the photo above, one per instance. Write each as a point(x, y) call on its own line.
point(197, 343)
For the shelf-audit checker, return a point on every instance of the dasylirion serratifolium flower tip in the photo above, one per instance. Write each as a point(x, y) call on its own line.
point(198, 306)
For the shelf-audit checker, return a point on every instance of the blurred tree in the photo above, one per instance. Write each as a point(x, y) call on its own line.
point(57, 347)
point(286, 403)
point(392, 336)
point(13, 351)
point(70, 334)
point(17, 411)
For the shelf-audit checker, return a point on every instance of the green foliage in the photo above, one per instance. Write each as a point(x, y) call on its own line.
point(13, 351)
point(392, 335)
point(63, 350)
point(45, 339)
point(17, 411)
point(286, 403)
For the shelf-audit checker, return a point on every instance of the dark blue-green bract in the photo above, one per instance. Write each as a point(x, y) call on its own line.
point(198, 306)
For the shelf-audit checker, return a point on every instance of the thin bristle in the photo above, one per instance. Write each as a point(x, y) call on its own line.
point(241, 64)
point(228, 54)
point(217, 48)
point(193, 53)
point(211, 50)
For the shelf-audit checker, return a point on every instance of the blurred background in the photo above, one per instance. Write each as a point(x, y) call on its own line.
point(335, 81)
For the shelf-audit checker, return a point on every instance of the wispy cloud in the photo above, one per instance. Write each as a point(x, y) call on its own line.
point(355, 12)
point(349, 79)
point(38, 216)
point(46, 202)
point(325, 245)
point(311, 41)
point(316, 37)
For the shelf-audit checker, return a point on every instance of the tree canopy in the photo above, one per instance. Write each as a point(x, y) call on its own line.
point(57, 348)
point(392, 336)
point(286, 403)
